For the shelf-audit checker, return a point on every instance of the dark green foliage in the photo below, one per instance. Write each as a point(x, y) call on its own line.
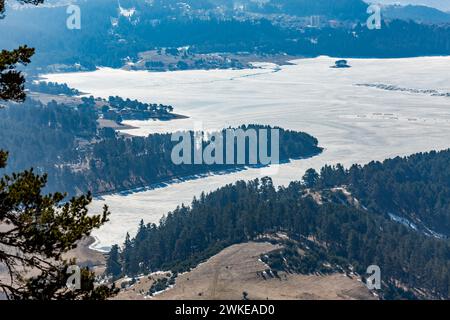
point(11, 80)
point(124, 163)
point(114, 268)
point(65, 142)
point(303, 257)
point(158, 285)
point(416, 188)
point(50, 134)
point(138, 161)
point(310, 178)
point(36, 231)
point(344, 234)
point(119, 109)
point(120, 103)
point(52, 88)
point(162, 284)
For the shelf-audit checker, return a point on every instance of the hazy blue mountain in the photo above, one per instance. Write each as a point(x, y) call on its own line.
point(114, 32)
point(421, 14)
point(343, 9)
point(439, 4)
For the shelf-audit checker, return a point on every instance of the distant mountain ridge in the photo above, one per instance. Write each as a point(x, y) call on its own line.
point(114, 33)
point(421, 14)
point(443, 5)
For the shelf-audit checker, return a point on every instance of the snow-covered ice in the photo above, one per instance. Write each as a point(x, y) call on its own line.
point(355, 124)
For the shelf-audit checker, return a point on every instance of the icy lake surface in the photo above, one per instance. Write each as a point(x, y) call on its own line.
point(355, 124)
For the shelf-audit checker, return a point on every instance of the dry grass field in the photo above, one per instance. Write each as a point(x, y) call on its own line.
point(237, 269)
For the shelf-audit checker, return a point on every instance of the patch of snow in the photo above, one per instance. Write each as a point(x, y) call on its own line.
point(307, 96)
point(128, 13)
point(403, 221)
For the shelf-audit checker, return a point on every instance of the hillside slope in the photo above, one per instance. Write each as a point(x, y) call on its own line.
point(238, 269)
point(386, 214)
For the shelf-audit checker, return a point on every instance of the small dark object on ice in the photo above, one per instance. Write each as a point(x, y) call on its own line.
point(341, 64)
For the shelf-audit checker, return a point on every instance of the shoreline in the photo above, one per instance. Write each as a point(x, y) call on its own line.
point(162, 183)
point(129, 191)
point(280, 60)
point(246, 59)
point(123, 128)
point(86, 256)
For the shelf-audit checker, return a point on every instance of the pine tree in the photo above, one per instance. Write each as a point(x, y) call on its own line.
point(126, 255)
point(35, 229)
point(113, 266)
point(310, 178)
point(11, 80)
